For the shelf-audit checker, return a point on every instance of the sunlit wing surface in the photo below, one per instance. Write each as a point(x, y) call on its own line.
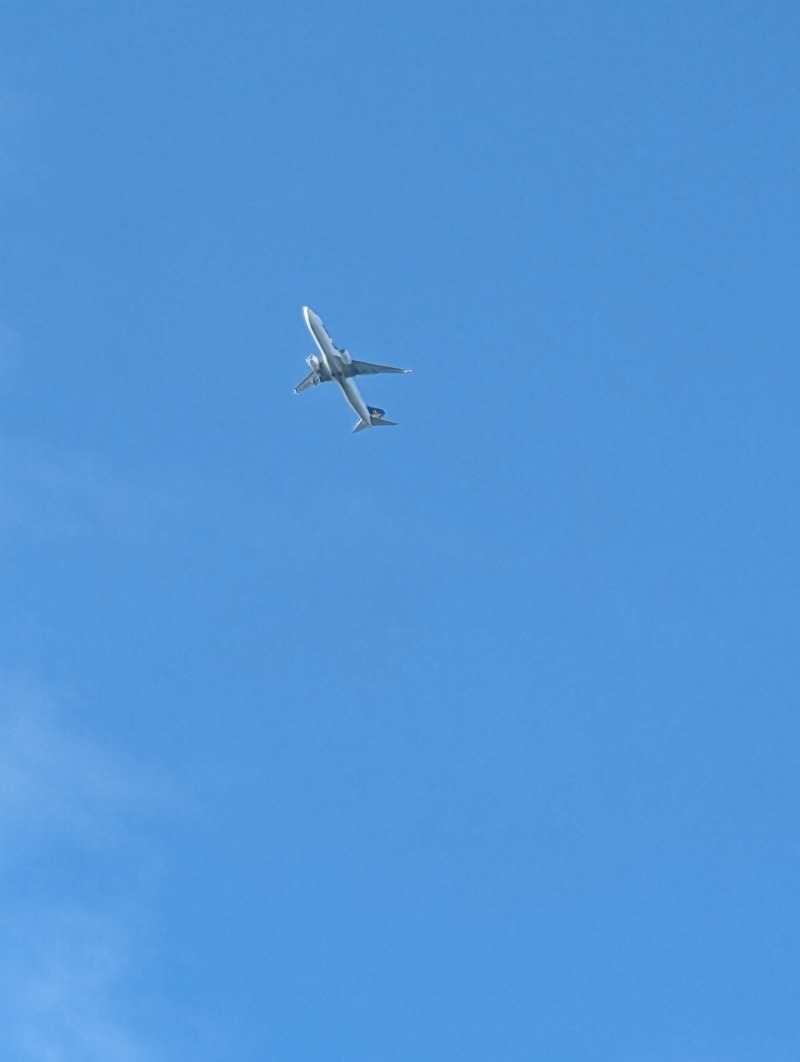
point(366, 368)
point(306, 382)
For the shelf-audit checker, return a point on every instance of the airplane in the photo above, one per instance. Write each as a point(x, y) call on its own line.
point(334, 364)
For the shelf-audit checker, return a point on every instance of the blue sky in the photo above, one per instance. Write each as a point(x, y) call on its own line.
point(472, 740)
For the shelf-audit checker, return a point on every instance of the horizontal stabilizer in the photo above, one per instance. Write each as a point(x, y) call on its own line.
point(375, 422)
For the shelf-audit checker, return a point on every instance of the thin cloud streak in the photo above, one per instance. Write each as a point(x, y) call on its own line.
point(68, 946)
point(49, 496)
point(62, 984)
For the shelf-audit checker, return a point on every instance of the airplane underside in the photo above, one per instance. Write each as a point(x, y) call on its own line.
point(333, 364)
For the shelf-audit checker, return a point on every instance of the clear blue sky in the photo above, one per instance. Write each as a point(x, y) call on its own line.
point(476, 739)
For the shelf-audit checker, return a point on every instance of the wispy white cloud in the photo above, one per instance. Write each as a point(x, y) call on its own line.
point(45, 495)
point(53, 781)
point(76, 873)
point(61, 980)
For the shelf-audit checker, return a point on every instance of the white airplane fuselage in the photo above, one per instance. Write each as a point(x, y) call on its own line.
point(333, 360)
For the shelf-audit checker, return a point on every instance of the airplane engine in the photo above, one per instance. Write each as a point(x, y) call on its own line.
point(312, 361)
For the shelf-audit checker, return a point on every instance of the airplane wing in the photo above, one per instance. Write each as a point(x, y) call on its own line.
point(365, 368)
point(306, 382)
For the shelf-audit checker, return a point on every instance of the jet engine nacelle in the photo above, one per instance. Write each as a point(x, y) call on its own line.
point(312, 361)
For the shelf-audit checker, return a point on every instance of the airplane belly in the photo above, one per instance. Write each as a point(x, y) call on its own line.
point(354, 399)
point(320, 335)
point(337, 365)
point(324, 355)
